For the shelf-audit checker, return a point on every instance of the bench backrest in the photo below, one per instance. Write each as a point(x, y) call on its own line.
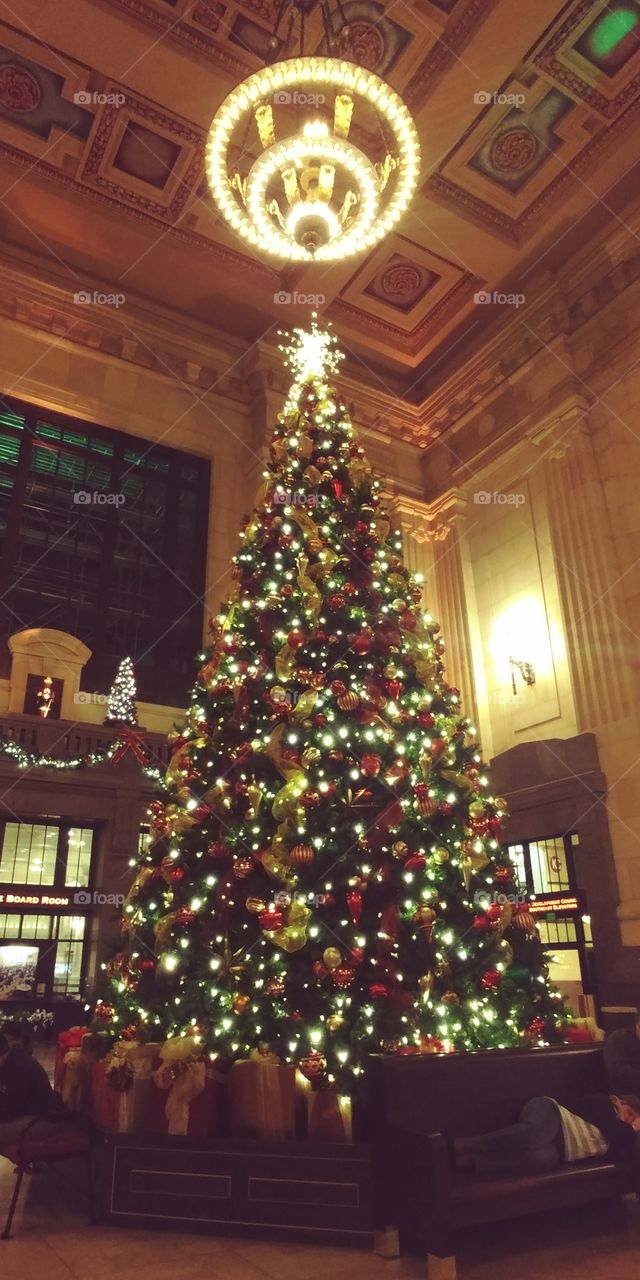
point(465, 1093)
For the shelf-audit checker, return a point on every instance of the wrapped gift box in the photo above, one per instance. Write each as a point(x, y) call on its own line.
point(131, 1109)
point(205, 1115)
point(263, 1099)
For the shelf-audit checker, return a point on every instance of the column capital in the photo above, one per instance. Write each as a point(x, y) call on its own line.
point(431, 521)
point(563, 427)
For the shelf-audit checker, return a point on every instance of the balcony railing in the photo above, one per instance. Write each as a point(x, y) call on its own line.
point(64, 739)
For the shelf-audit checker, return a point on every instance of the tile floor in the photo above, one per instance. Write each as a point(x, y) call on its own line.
point(53, 1242)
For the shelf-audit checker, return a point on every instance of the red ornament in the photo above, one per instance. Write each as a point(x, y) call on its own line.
point(185, 915)
point(446, 808)
point(104, 1012)
point(310, 799)
point(147, 964)
point(495, 827)
point(408, 620)
point(394, 688)
point(494, 912)
point(177, 874)
point(368, 554)
point(378, 991)
point(302, 855)
point(481, 923)
point(335, 601)
point(504, 874)
point(354, 903)
point(320, 720)
point(338, 688)
point(415, 862)
point(349, 589)
point(313, 1065)
point(295, 638)
point(357, 955)
point(361, 527)
point(362, 642)
point(271, 919)
point(425, 720)
point(286, 590)
point(437, 747)
point(343, 976)
point(242, 868)
point(319, 969)
point(426, 806)
point(371, 764)
point(491, 979)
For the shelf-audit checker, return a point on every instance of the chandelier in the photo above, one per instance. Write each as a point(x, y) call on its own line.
point(312, 158)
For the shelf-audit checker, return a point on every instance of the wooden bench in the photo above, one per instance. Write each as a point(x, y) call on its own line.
point(47, 1142)
point(418, 1105)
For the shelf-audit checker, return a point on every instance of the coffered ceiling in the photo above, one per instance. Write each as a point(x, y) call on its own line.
point(527, 115)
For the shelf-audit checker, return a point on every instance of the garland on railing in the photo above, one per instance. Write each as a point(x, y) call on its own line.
point(127, 740)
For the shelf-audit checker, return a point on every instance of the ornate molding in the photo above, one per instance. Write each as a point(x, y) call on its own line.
point(445, 51)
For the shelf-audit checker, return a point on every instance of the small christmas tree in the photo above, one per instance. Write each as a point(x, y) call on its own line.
point(325, 876)
point(121, 702)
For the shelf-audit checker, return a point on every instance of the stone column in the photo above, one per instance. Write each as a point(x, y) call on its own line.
point(601, 644)
point(435, 545)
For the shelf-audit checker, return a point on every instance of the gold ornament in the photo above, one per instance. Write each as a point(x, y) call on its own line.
point(255, 905)
point(334, 1022)
point(310, 756)
point(441, 855)
point(332, 957)
point(399, 849)
point(241, 1003)
point(425, 983)
point(348, 701)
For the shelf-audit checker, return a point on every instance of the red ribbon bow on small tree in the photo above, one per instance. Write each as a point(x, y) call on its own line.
point(130, 740)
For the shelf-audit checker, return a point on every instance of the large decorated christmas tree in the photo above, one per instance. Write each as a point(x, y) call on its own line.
point(325, 877)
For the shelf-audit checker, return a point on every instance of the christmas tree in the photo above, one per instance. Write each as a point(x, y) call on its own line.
point(325, 876)
point(121, 702)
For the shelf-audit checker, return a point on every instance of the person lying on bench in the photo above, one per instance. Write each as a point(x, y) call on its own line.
point(547, 1135)
point(25, 1092)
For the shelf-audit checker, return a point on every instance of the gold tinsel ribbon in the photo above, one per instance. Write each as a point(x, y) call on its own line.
point(293, 934)
point(311, 596)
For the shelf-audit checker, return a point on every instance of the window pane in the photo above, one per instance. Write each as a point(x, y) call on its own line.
point(10, 926)
point(79, 857)
point(549, 865)
point(29, 853)
point(37, 926)
point(68, 962)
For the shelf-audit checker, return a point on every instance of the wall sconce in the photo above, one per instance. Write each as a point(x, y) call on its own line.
point(526, 670)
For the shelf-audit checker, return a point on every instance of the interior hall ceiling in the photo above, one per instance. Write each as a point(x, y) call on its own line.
point(527, 115)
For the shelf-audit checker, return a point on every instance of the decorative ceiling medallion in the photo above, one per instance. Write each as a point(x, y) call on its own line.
point(19, 90)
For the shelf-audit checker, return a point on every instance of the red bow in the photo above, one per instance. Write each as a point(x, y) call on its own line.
point(130, 740)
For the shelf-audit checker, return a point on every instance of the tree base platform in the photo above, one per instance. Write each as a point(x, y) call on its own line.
point(314, 1192)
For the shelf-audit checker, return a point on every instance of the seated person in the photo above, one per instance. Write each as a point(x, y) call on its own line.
point(621, 1052)
point(17, 1033)
point(548, 1134)
point(25, 1092)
